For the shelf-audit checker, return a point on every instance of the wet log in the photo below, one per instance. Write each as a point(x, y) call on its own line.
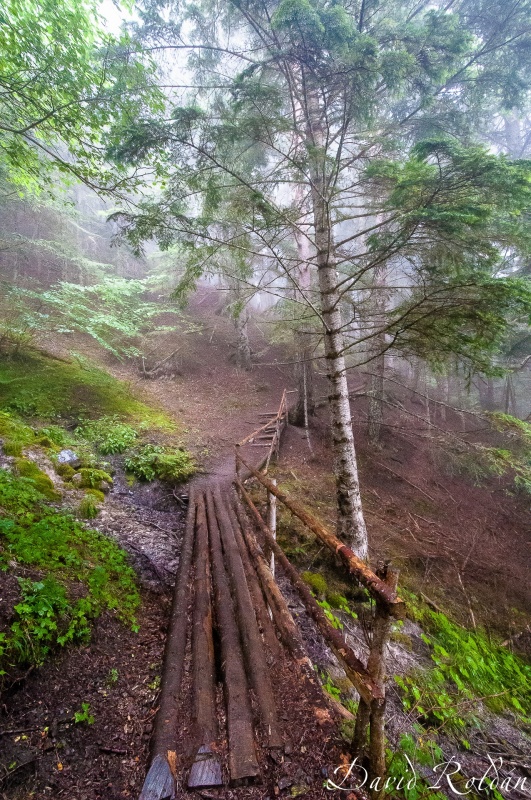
point(206, 770)
point(289, 633)
point(243, 763)
point(377, 588)
point(161, 774)
point(259, 604)
point(355, 670)
point(250, 635)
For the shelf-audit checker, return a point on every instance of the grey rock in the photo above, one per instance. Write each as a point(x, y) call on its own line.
point(68, 457)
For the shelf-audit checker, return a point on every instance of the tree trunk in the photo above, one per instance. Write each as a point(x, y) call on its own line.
point(243, 352)
point(376, 392)
point(350, 521)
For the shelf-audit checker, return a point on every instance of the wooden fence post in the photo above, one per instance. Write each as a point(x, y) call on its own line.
point(376, 668)
point(272, 522)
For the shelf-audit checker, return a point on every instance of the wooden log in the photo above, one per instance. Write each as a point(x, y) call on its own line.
point(242, 755)
point(259, 604)
point(250, 635)
point(355, 670)
point(378, 588)
point(163, 740)
point(206, 769)
point(284, 621)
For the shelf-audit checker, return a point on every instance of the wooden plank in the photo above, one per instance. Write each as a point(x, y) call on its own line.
point(252, 643)
point(356, 671)
point(243, 763)
point(259, 604)
point(159, 783)
point(163, 740)
point(206, 770)
point(378, 588)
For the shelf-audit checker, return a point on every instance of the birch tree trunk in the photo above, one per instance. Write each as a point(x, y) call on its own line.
point(350, 521)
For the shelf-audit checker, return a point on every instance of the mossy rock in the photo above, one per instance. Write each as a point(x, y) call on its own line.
point(316, 582)
point(12, 447)
point(96, 493)
point(65, 471)
point(28, 469)
point(88, 508)
point(402, 639)
point(91, 478)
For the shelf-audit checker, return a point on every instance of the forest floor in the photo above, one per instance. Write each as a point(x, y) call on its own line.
point(464, 546)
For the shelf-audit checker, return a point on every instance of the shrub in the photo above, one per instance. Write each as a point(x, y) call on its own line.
point(154, 461)
point(109, 434)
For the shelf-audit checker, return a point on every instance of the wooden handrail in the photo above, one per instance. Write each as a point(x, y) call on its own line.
point(278, 416)
point(368, 689)
point(375, 585)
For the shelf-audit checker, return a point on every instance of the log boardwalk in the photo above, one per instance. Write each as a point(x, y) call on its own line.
point(231, 627)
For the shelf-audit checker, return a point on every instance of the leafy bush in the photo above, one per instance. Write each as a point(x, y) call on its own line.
point(45, 618)
point(154, 461)
point(109, 434)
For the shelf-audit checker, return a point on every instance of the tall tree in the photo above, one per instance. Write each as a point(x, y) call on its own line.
point(338, 94)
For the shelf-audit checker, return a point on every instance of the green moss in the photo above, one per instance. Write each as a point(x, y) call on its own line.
point(65, 471)
point(28, 469)
point(36, 385)
point(99, 496)
point(12, 448)
point(91, 478)
point(402, 639)
point(316, 582)
point(69, 556)
point(88, 508)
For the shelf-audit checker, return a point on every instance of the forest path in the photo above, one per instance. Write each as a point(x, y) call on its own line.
point(230, 691)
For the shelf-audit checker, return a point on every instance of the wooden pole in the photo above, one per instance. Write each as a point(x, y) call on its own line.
point(206, 770)
point(272, 523)
point(378, 588)
point(355, 670)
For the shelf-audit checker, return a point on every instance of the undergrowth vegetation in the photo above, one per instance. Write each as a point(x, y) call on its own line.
point(64, 575)
point(77, 574)
point(467, 668)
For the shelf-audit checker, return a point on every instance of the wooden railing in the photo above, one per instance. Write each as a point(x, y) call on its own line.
point(268, 435)
point(369, 679)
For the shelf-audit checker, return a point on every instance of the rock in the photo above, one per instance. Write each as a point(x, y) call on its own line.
point(77, 479)
point(68, 457)
point(104, 486)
